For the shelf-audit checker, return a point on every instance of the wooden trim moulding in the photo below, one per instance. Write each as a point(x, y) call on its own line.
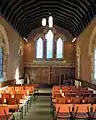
point(8, 82)
point(86, 83)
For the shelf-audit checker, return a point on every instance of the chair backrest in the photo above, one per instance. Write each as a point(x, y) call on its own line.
point(76, 100)
point(94, 107)
point(84, 100)
point(63, 107)
point(1, 101)
point(56, 95)
point(69, 100)
point(11, 88)
point(29, 88)
point(13, 92)
point(19, 88)
point(24, 92)
point(61, 101)
point(19, 96)
point(93, 95)
point(13, 101)
point(90, 100)
point(6, 95)
point(81, 108)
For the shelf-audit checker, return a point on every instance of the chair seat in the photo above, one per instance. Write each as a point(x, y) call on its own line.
point(81, 115)
point(9, 116)
point(92, 115)
point(62, 115)
point(13, 107)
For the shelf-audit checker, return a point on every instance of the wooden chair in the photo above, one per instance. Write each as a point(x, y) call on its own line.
point(6, 95)
point(19, 96)
point(84, 100)
point(63, 111)
point(15, 106)
point(56, 95)
point(92, 112)
point(30, 89)
point(90, 100)
point(69, 100)
point(76, 100)
point(19, 88)
point(4, 113)
point(11, 88)
point(1, 101)
point(13, 92)
point(81, 111)
point(61, 101)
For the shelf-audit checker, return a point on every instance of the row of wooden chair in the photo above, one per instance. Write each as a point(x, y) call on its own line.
point(78, 94)
point(72, 91)
point(72, 95)
point(74, 111)
point(75, 100)
point(20, 88)
point(17, 104)
point(17, 99)
point(58, 87)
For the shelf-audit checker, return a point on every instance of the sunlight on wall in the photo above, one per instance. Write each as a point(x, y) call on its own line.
point(17, 75)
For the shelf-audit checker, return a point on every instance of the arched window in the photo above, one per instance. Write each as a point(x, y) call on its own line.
point(94, 68)
point(1, 63)
point(39, 48)
point(49, 44)
point(59, 49)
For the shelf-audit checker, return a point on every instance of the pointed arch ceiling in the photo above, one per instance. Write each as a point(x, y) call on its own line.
point(26, 15)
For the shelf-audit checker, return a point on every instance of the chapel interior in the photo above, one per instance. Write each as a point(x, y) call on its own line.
point(48, 59)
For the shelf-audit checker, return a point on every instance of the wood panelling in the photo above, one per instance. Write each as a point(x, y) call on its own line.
point(86, 83)
point(8, 82)
point(49, 74)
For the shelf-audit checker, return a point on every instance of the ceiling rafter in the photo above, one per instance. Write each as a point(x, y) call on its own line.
point(40, 17)
point(42, 13)
point(65, 22)
point(26, 15)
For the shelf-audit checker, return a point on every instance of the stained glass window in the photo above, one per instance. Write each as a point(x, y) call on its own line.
point(39, 48)
point(59, 49)
point(49, 44)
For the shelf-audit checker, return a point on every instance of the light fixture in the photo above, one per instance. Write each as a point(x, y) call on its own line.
point(44, 22)
point(25, 39)
point(74, 40)
point(50, 21)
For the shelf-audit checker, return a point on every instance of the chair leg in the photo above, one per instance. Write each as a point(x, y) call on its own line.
point(34, 97)
point(25, 109)
point(21, 113)
point(13, 117)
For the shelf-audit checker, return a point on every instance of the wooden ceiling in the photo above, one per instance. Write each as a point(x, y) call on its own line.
point(26, 15)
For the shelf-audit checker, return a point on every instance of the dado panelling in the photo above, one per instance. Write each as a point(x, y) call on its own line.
point(49, 74)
